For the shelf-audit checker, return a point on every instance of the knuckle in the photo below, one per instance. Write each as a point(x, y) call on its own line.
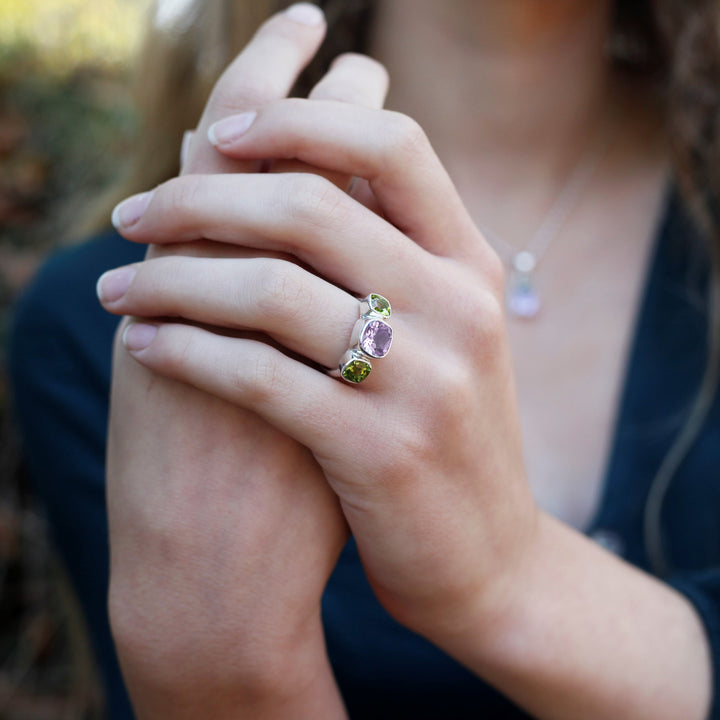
point(153, 279)
point(477, 334)
point(405, 136)
point(181, 194)
point(280, 289)
point(315, 201)
point(358, 73)
point(487, 336)
point(289, 106)
point(174, 351)
point(492, 316)
point(453, 382)
point(239, 88)
point(184, 351)
point(257, 378)
point(232, 94)
point(265, 372)
point(493, 270)
point(443, 411)
point(367, 64)
point(472, 295)
point(400, 461)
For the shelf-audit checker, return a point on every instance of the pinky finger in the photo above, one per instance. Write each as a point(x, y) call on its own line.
point(297, 399)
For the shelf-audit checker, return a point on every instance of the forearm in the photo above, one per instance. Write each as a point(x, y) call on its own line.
point(583, 634)
point(222, 537)
point(299, 685)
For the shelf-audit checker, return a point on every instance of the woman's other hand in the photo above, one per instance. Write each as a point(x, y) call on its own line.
point(223, 529)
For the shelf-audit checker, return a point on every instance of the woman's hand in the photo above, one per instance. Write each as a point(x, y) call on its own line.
point(223, 529)
point(426, 454)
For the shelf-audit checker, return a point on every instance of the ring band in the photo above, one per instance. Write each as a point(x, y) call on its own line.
point(370, 340)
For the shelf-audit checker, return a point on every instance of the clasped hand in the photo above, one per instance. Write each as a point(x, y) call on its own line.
point(425, 456)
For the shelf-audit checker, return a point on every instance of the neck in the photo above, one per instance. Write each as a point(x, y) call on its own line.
point(522, 84)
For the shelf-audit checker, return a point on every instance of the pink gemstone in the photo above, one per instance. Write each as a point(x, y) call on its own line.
point(525, 305)
point(376, 339)
point(523, 300)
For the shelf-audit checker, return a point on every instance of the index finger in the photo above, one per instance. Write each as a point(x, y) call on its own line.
point(265, 70)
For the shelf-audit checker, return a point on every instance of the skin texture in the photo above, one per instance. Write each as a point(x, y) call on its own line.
point(531, 90)
point(243, 643)
point(449, 534)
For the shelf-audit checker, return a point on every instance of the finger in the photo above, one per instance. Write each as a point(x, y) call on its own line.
point(295, 398)
point(210, 249)
point(361, 191)
point(265, 70)
point(274, 296)
point(185, 147)
point(355, 79)
point(351, 78)
point(386, 148)
point(301, 214)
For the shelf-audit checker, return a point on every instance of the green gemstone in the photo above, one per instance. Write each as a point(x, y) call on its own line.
point(356, 370)
point(380, 305)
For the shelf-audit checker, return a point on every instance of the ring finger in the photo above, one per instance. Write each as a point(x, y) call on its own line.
point(302, 312)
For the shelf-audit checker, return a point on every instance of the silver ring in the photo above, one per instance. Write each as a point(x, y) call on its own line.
point(371, 339)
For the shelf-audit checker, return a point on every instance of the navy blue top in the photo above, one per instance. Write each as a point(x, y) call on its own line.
point(60, 368)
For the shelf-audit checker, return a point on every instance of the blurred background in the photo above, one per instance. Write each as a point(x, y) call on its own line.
point(66, 123)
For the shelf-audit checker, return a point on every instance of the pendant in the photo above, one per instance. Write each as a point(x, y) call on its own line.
point(522, 298)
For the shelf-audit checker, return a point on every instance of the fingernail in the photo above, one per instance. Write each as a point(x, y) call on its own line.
point(129, 211)
point(230, 128)
point(185, 146)
point(113, 284)
point(138, 336)
point(305, 14)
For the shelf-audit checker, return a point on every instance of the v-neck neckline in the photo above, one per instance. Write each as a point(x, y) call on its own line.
point(662, 289)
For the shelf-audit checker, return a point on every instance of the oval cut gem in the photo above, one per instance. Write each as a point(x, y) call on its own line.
point(356, 370)
point(376, 338)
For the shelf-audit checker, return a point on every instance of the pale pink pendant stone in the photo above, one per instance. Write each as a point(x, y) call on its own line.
point(522, 298)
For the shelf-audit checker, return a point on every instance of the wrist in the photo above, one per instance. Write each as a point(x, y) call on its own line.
point(562, 635)
point(292, 678)
point(471, 626)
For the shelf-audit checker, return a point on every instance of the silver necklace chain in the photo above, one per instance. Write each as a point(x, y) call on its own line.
point(522, 298)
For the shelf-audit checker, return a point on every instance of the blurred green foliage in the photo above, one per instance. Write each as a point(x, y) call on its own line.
point(66, 125)
point(67, 33)
point(60, 136)
point(65, 116)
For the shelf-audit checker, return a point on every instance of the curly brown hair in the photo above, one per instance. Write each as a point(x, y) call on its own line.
point(678, 42)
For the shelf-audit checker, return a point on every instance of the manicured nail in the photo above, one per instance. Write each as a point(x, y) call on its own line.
point(129, 211)
point(185, 146)
point(305, 13)
point(138, 336)
point(230, 128)
point(113, 284)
